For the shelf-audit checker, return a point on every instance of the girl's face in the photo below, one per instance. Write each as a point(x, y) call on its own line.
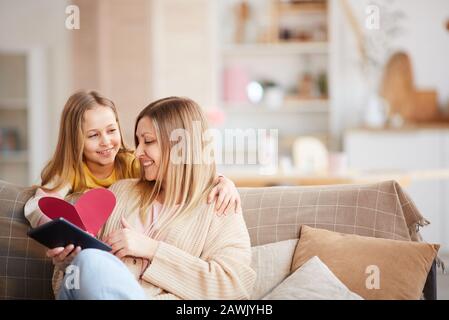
point(148, 151)
point(101, 136)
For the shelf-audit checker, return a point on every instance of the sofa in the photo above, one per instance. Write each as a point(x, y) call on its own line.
point(272, 214)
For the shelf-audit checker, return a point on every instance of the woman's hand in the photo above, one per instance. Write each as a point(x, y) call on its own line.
point(129, 242)
point(228, 197)
point(62, 257)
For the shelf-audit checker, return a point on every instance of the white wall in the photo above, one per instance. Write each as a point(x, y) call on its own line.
point(183, 48)
point(425, 39)
point(26, 25)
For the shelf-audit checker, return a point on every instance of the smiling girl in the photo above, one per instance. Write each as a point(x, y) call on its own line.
point(91, 153)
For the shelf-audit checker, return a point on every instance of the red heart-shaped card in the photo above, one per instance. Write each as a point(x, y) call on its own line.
point(89, 213)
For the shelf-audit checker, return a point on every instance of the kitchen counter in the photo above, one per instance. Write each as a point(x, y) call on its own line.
point(251, 178)
point(435, 125)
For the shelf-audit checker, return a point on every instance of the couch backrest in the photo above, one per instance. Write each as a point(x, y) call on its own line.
point(271, 214)
point(25, 272)
point(380, 210)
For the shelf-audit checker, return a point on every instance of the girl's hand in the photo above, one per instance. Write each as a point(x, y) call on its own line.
point(228, 197)
point(62, 257)
point(129, 242)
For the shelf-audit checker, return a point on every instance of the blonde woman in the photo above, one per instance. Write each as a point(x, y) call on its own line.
point(167, 241)
point(91, 153)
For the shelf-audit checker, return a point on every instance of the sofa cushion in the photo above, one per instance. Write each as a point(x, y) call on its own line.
point(373, 268)
point(272, 263)
point(381, 210)
point(25, 272)
point(312, 281)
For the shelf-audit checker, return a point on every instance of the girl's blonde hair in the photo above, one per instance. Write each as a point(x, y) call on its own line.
point(66, 163)
point(186, 183)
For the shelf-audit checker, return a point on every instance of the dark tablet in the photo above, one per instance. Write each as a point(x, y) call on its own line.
point(61, 233)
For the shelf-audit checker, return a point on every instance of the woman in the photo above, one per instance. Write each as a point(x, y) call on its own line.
point(167, 241)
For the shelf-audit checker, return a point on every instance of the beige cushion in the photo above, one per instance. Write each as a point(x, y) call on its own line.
point(272, 263)
point(312, 281)
point(402, 265)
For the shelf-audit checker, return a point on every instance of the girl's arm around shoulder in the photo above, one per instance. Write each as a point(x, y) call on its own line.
point(31, 210)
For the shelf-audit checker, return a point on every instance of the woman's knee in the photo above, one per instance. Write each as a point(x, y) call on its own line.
point(98, 260)
point(100, 275)
point(88, 255)
point(91, 266)
point(94, 258)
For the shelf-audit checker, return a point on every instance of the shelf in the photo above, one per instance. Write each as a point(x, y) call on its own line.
point(290, 106)
point(279, 57)
point(14, 157)
point(276, 48)
point(13, 104)
point(295, 8)
point(251, 177)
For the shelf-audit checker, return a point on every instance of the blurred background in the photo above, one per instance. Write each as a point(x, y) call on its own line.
point(352, 90)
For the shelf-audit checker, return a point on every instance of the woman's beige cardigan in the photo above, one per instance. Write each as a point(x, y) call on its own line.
point(204, 256)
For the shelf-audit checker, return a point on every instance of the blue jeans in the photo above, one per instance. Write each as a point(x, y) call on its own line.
point(95, 274)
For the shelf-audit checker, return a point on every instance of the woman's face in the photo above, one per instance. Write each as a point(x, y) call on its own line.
point(148, 151)
point(101, 136)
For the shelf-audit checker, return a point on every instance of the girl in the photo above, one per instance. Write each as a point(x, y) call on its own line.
point(167, 241)
point(91, 153)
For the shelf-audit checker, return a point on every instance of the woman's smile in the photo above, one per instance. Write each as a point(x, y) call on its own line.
point(146, 163)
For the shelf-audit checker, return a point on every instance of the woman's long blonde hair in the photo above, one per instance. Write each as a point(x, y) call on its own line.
point(66, 163)
point(186, 184)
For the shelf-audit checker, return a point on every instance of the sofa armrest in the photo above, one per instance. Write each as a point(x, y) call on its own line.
point(430, 288)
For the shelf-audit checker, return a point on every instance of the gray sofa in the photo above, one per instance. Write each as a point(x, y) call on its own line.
point(272, 214)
